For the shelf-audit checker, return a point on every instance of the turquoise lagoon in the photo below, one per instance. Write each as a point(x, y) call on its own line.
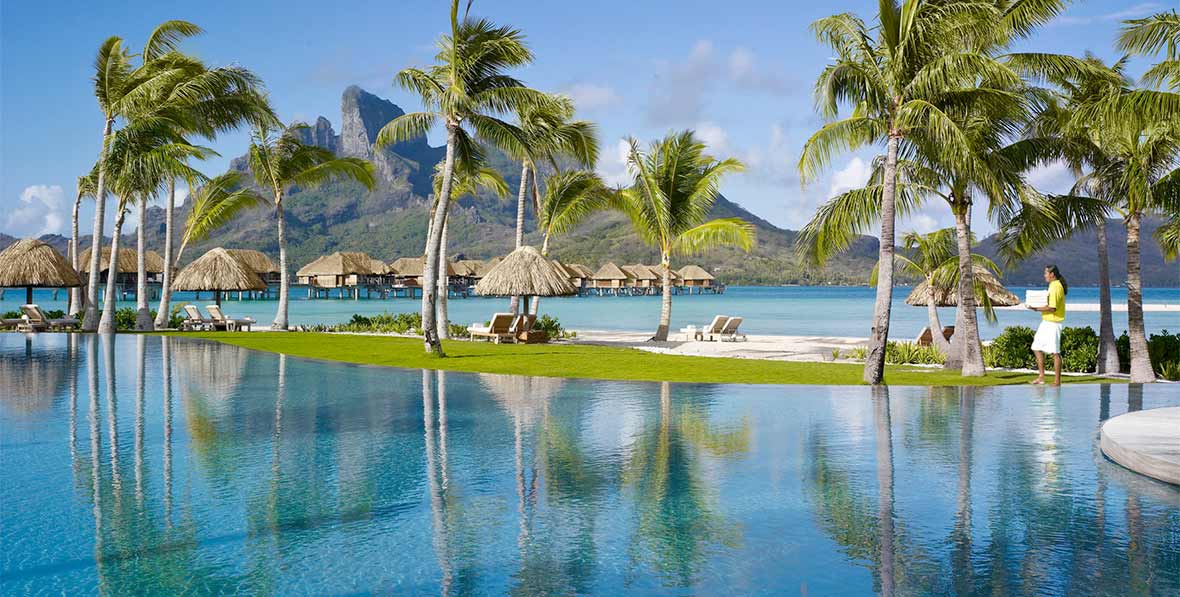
point(789, 311)
point(150, 465)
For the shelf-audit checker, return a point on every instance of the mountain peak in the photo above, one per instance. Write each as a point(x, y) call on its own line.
point(362, 115)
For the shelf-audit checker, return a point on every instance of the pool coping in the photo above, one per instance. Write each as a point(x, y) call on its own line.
point(1146, 442)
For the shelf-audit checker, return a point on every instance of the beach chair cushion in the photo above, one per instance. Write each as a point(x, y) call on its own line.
point(499, 328)
point(194, 319)
point(36, 320)
point(229, 323)
point(730, 331)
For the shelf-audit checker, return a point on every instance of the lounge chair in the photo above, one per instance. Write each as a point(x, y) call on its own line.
point(926, 338)
point(714, 328)
point(194, 320)
point(730, 331)
point(522, 330)
point(499, 329)
point(230, 324)
point(10, 322)
point(36, 321)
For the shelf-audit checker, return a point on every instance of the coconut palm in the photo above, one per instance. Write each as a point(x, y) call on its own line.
point(142, 158)
point(897, 78)
point(86, 189)
point(549, 135)
point(674, 188)
point(463, 91)
point(468, 180)
point(934, 258)
point(215, 204)
point(568, 198)
point(279, 161)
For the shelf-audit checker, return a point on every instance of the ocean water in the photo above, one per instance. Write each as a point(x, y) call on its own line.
point(149, 465)
point(793, 311)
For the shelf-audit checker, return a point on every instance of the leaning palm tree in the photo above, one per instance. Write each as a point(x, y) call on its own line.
point(895, 77)
point(464, 91)
point(568, 199)
point(675, 186)
point(86, 189)
point(469, 180)
point(550, 135)
point(215, 204)
point(934, 258)
point(142, 157)
point(279, 161)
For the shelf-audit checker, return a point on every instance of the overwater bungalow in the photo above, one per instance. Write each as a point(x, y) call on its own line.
point(673, 276)
point(581, 274)
point(342, 270)
point(694, 278)
point(407, 274)
point(609, 279)
point(641, 279)
point(259, 263)
point(126, 268)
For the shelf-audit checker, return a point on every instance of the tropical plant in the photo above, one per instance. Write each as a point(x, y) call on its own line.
point(675, 185)
point(468, 179)
point(279, 161)
point(214, 204)
point(143, 156)
point(898, 77)
point(463, 91)
point(86, 189)
point(549, 134)
point(568, 198)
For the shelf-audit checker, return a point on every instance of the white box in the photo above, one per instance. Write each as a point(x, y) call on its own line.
point(1036, 298)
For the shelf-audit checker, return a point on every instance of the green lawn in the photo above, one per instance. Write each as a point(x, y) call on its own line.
point(596, 362)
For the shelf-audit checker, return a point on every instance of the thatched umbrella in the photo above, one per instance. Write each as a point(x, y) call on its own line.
point(949, 296)
point(34, 264)
point(218, 270)
point(524, 272)
point(257, 261)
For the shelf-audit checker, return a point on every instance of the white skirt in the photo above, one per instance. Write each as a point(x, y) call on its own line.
point(1048, 338)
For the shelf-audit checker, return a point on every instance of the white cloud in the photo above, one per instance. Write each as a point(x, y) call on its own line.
point(1139, 10)
point(714, 137)
point(1051, 178)
point(41, 210)
point(853, 175)
point(679, 90)
point(744, 72)
point(613, 167)
point(590, 96)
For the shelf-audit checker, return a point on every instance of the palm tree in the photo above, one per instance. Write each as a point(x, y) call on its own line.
point(549, 135)
point(86, 188)
point(215, 204)
point(463, 90)
point(569, 197)
point(469, 179)
point(280, 161)
point(934, 259)
point(674, 189)
point(896, 82)
point(142, 157)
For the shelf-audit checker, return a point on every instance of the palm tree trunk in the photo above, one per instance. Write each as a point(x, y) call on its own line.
point(280, 322)
point(879, 335)
point(1141, 371)
point(535, 304)
point(75, 292)
point(433, 243)
point(966, 351)
point(443, 286)
point(163, 314)
point(940, 341)
point(1108, 354)
point(143, 317)
point(106, 324)
point(666, 299)
point(90, 321)
point(514, 302)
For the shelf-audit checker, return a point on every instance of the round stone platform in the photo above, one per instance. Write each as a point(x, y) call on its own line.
point(1146, 441)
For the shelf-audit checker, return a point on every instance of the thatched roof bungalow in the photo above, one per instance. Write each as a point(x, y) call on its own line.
point(33, 264)
point(673, 275)
point(409, 270)
point(258, 262)
point(126, 265)
point(695, 276)
point(609, 276)
point(341, 269)
point(640, 276)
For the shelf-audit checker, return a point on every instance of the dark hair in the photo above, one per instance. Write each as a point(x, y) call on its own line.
point(1052, 269)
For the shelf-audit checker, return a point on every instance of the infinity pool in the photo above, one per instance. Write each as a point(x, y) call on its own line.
point(169, 465)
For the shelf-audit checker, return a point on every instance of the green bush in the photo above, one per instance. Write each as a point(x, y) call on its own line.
point(125, 318)
point(388, 323)
point(909, 353)
point(1163, 349)
point(1122, 345)
point(551, 326)
point(12, 315)
point(55, 314)
point(175, 318)
point(1012, 349)
point(1079, 349)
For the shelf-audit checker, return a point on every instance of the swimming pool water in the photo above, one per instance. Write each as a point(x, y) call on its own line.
point(169, 465)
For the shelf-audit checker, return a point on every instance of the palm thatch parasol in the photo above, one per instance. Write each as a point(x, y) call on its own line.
point(34, 264)
point(218, 270)
point(949, 296)
point(524, 272)
point(522, 396)
point(127, 262)
point(257, 261)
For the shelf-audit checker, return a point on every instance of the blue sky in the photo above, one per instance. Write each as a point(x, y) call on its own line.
point(741, 78)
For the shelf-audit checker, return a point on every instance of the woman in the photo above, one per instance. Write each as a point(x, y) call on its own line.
point(1048, 338)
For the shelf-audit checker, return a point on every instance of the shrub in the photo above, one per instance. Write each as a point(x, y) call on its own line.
point(395, 323)
point(55, 314)
point(1012, 349)
point(1122, 345)
point(175, 319)
point(125, 318)
point(12, 315)
point(1079, 349)
point(551, 326)
point(458, 331)
point(1163, 349)
point(909, 353)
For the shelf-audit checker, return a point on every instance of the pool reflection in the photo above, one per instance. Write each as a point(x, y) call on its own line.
point(277, 475)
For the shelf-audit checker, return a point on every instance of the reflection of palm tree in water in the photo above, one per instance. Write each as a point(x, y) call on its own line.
point(884, 435)
point(439, 539)
point(677, 518)
point(961, 563)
